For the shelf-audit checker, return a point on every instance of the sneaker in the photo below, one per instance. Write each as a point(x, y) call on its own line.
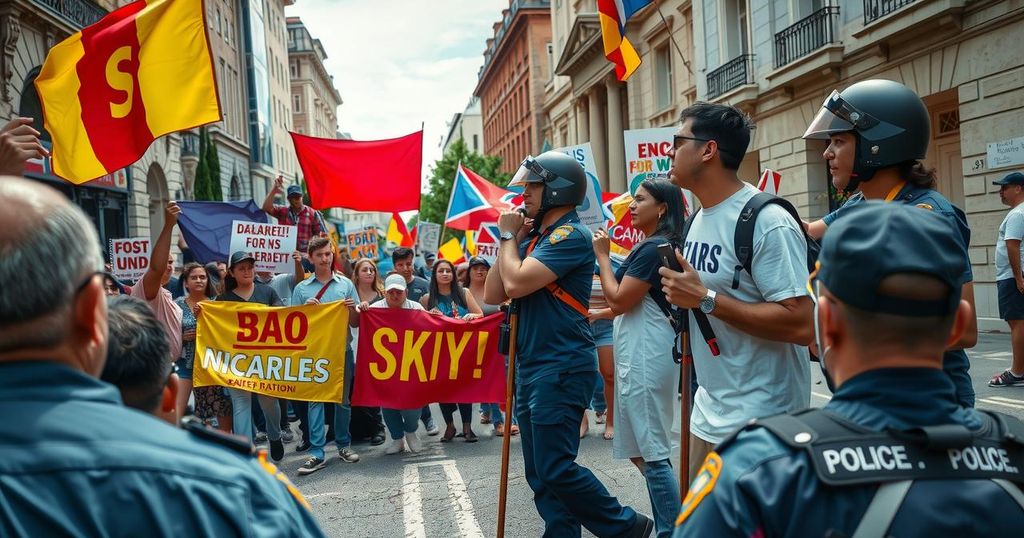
point(287, 435)
point(347, 455)
point(431, 427)
point(643, 526)
point(396, 446)
point(413, 442)
point(312, 465)
point(276, 450)
point(1007, 379)
point(377, 440)
point(261, 437)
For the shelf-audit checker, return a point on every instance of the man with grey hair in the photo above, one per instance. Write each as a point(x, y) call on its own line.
point(65, 427)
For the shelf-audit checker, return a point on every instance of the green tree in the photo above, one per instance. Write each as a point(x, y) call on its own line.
point(434, 204)
point(201, 185)
point(212, 159)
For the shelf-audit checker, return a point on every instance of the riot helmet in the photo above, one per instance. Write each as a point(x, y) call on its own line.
point(888, 120)
point(565, 182)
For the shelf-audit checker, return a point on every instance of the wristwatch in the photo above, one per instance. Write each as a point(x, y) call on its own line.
point(707, 302)
point(507, 236)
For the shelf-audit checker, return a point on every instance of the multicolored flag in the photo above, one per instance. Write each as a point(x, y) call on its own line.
point(620, 226)
point(452, 251)
point(109, 91)
point(613, 15)
point(769, 181)
point(398, 234)
point(469, 242)
point(474, 201)
point(362, 175)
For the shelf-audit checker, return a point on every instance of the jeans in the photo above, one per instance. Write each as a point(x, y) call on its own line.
point(342, 416)
point(597, 402)
point(496, 415)
point(302, 412)
point(663, 489)
point(401, 421)
point(425, 415)
point(241, 402)
point(566, 495)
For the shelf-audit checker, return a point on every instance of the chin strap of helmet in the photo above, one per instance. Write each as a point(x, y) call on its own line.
point(860, 173)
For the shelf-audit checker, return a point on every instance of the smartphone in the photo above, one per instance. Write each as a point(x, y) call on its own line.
point(668, 257)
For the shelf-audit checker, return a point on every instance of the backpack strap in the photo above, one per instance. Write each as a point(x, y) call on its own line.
point(743, 237)
point(882, 510)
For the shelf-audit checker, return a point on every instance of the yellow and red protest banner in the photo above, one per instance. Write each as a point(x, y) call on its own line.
point(142, 71)
point(293, 352)
point(409, 358)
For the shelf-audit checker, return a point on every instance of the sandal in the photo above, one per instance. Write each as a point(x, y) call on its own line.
point(449, 434)
point(1007, 379)
point(599, 418)
point(514, 430)
point(471, 437)
point(499, 430)
point(485, 418)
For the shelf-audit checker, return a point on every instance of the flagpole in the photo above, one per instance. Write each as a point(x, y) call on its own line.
point(686, 62)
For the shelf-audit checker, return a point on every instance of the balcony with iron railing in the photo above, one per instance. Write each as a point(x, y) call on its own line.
point(876, 9)
point(77, 13)
point(735, 73)
point(806, 35)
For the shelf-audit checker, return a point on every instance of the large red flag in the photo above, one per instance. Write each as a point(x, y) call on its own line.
point(372, 175)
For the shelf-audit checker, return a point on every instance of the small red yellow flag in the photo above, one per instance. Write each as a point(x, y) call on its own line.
point(109, 91)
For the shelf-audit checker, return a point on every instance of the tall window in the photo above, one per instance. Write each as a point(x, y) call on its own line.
point(663, 77)
point(296, 103)
point(735, 23)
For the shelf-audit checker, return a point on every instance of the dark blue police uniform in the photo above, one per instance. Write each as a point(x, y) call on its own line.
point(75, 462)
point(756, 485)
point(556, 378)
point(954, 362)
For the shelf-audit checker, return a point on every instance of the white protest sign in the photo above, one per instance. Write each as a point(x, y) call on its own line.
point(647, 155)
point(589, 211)
point(129, 258)
point(428, 236)
point(271, 244)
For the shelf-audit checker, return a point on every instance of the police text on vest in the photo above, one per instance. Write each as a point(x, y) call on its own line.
point(872, 458)
point(985, 458)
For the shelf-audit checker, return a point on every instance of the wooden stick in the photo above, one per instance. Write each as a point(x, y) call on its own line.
point(506, 440)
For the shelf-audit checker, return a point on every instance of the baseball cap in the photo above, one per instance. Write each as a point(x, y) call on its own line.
point(874, 240)
point(430, 256)
point(394, 282)
point(1014, 178)
point(240, 256)
point(294, 190)
point(477, 260)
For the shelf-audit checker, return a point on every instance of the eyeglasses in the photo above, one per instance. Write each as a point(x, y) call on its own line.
point(679, 140)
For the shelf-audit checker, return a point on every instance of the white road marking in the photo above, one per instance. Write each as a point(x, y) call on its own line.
point(412, 503)
point(996, 400)
point(412, 500)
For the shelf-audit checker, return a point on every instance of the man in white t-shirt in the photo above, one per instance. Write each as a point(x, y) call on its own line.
point(1009, 281)
point(763, 324)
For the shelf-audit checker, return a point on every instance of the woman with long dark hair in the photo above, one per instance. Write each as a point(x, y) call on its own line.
point(210, 401)
point(447, 297)
point(647, 376)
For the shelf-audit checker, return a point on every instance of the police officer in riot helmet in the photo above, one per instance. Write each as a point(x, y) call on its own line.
point(892, 453)
point(546, 267)
point(878, 131)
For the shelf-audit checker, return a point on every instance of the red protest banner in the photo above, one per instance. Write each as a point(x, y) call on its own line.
point(409, 358)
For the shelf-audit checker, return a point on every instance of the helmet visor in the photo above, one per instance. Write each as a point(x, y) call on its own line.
point(530, 171)
point(838, 116)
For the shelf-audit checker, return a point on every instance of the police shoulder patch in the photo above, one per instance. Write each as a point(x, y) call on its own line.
point(273, 471)
point(701, 486)
point(560, 234)
point(925, 206)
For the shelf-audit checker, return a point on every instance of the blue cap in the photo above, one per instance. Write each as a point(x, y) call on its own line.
point(294, 190)
point(1013, 178)
point(875, 240)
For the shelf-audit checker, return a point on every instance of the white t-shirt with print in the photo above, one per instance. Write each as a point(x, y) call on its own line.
point(752, 377)
point(1011, 228)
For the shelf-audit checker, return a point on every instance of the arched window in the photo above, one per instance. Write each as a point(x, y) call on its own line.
point(236, 189)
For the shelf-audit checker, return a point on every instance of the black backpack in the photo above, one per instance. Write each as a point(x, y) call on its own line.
point(743, 238)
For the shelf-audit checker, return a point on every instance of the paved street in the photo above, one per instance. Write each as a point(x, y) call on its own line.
point(451, 489)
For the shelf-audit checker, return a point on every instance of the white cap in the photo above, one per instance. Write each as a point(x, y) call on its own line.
point(394, 282)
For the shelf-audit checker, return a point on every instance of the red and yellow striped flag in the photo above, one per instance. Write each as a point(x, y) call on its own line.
point(107, 92)
point(617, 48)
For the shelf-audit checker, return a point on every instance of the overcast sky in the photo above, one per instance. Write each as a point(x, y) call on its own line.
point(398, 63)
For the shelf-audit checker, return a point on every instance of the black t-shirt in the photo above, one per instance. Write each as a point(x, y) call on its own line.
point(643, 264)
point(263, 294)
point(417, 288)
